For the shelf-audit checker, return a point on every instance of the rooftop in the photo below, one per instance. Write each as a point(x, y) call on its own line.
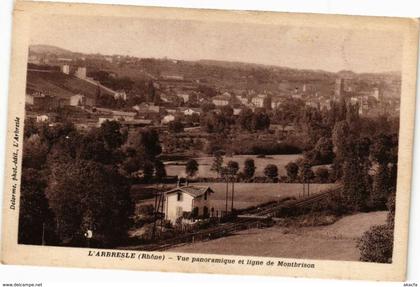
point(193, 190)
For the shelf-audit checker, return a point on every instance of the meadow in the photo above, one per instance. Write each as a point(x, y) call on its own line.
point(337, 241)
point(252, 194)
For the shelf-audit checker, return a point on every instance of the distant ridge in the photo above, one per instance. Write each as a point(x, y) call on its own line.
point(48, 49)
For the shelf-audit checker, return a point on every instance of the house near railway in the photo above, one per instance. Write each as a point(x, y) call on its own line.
point(188, 202)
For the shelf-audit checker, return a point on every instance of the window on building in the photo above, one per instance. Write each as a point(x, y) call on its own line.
point(179, 196)
point(205, 195)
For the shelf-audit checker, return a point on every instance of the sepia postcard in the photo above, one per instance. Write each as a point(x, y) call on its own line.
point(209, 141)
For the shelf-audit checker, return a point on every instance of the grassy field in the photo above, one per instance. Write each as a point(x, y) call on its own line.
point(178, 167)
point(246, 194)
point(251, 194)
point(334, 242)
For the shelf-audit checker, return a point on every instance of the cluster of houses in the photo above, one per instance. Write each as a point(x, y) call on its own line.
point(41, 99)
point(180, 97)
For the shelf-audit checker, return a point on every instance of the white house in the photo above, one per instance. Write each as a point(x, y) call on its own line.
point(189, 199)
point(236, 112)
point(77, 100)
point(120, 95)
point(42, 118)
point(167, 119)
point(172, 110)
point(80, 73)
point(123, 116)
point(184, 97)
point(65, 69)
point(276, 103)
point(29, 99)
point(242, 100)
point(259, 100)
point(191, 111)
point(222, 100)
point(101, 120)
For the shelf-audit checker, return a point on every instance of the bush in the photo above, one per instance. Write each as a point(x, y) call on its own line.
point(322, 174)
point(376, 244)
point(391, 207)
point(271, 171)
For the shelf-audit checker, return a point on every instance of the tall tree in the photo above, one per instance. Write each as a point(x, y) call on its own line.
point(384, 154)
point(160, 171)
point(110, 132)
point(34, 152)
point(271, 171)
point(232, 168)
point(292, 171)
point(191, 168)
point(35, 217)
point(148, 170)
point(87, 195)
point(356, 179)
point(249, 168)
point(217, 164)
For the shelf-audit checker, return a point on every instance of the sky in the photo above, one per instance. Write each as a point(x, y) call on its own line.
point(328, 49)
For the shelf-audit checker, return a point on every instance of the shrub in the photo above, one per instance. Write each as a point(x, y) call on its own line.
point(249, 168)
point(292, 171)
point(376, 244)
point(391, 207)
point(322, 174)
point(271, 171)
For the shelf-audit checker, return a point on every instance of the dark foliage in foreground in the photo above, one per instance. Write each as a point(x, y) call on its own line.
point(376, 244)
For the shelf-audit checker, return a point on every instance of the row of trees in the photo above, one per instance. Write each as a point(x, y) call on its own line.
point(231, 169)
point(296, 172)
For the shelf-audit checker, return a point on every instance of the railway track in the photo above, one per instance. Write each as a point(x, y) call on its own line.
point(239, 223)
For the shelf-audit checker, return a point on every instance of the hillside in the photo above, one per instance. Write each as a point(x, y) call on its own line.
point(48, 49)
point(224, 75)
point(60, 84)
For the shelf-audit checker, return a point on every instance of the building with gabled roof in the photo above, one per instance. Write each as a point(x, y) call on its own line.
point(183, 201)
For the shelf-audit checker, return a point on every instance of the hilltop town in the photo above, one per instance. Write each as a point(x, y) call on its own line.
point(155, 92)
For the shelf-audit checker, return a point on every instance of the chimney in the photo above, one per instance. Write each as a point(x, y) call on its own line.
point(177, 182)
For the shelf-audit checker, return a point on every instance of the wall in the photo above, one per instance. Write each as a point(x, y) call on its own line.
point(172, 204)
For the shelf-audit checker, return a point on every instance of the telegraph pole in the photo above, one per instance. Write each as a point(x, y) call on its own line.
point(227, 193)
point(43, 233)
point(233, 193)
point(156, 208)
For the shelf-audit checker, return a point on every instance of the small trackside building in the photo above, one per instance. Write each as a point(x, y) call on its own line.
point(188, 199)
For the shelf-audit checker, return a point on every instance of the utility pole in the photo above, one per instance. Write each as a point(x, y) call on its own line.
point(156, 208)
point(227, 194)
point(308, 189)
point(233, 193)
point(162, 198)
point(43, 233)
point(303, 186)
